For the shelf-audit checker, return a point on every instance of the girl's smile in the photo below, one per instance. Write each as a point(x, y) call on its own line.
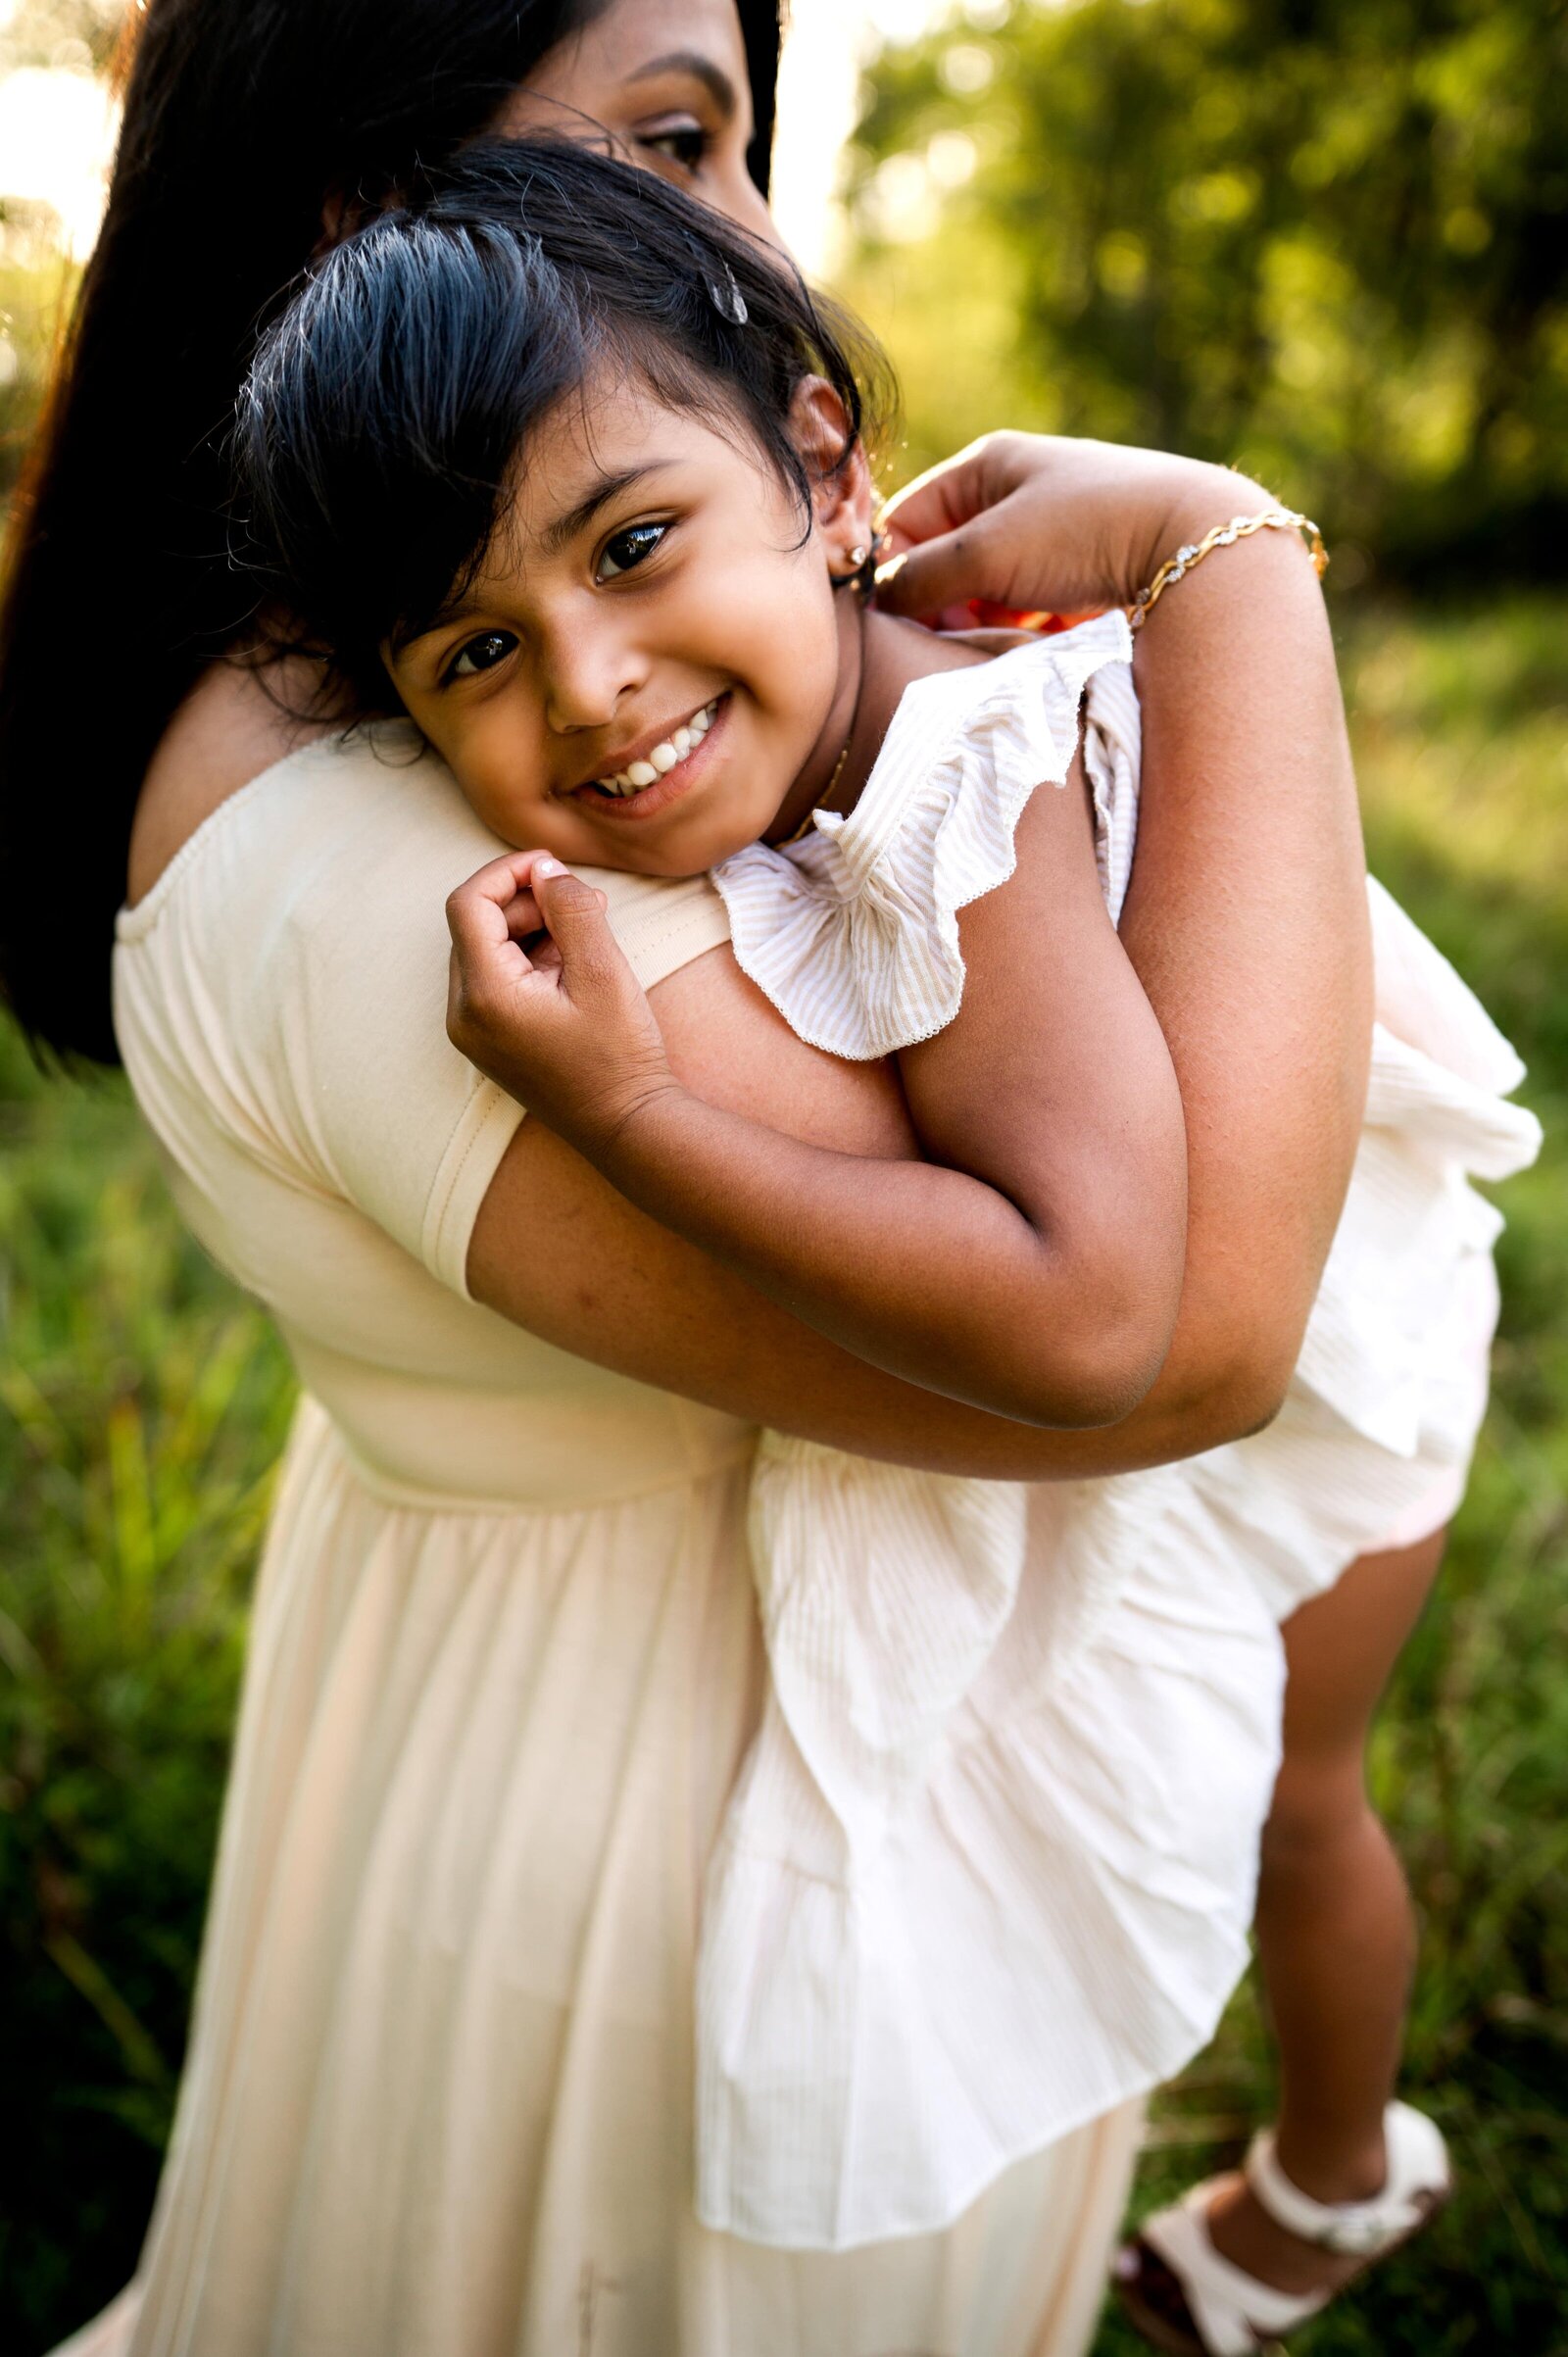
point(655, 775)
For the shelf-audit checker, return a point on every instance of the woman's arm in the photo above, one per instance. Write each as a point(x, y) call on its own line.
point(1031, 1267)
point(1246, 924)
point(1246, 920)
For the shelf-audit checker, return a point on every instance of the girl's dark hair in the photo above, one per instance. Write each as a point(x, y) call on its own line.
point(389, 404)
point(241, 117)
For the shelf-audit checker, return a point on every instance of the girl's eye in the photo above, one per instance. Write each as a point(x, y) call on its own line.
point(684, 143)
point(482, 654)
point(628, 549)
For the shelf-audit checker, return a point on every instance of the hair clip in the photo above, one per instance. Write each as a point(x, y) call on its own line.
point(727, 300)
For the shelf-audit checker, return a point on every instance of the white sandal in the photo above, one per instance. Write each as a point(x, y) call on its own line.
point(1184, 2298)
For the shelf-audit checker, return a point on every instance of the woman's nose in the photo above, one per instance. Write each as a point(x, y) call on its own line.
point(587, 673)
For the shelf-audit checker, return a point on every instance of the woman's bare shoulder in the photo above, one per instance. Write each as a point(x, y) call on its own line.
point(229, 728)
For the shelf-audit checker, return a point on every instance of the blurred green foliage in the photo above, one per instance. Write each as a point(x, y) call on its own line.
point(1323, 240)
point(36, 285)
point(36, 280)
point(142, 1405)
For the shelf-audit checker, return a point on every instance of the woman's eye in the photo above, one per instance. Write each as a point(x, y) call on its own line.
point(482, 654)
point(683, 143)
point(628, 549)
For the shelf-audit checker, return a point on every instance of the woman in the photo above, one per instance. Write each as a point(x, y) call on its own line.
point(503, 1664)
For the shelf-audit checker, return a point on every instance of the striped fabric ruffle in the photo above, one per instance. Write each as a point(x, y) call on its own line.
point(852, 932)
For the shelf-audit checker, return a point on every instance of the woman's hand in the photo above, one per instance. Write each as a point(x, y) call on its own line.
point(564, 1027)
point(1048, 521)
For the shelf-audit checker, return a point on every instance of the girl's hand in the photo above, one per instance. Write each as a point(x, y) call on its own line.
point(1048, 521)
point(564, 1025)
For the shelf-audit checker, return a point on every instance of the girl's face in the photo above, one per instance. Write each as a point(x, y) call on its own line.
point(653, 664)
point(667, 80)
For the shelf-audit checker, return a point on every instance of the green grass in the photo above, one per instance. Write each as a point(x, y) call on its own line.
point(142, 1404)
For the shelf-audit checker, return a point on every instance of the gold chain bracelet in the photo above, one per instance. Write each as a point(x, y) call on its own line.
point(1239, 527)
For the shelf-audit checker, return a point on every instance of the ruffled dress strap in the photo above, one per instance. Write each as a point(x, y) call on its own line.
point(852, 932)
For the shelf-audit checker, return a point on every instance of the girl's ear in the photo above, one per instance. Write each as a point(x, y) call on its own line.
point(841, 498)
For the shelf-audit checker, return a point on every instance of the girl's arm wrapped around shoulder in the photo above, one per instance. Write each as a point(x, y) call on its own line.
point(1032, 1268)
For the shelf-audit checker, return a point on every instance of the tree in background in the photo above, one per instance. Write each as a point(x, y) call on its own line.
point(48, 49)
point(1324, 240)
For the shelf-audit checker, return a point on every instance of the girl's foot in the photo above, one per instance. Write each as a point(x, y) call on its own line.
point(1187, 2296)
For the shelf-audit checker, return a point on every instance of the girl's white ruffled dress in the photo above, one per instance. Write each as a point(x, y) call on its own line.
point(989, 1867)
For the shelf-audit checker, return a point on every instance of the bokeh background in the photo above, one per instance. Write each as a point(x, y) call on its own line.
point(1324, 239)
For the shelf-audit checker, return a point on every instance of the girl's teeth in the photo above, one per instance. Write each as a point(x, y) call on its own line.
point(663, 756)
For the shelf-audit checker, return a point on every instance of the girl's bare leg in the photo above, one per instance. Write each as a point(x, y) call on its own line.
point(1336, 1937)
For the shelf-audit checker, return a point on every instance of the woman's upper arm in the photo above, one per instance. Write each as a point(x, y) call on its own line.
point(1246, 922)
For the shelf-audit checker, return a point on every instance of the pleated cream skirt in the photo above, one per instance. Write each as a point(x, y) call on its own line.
point(439, 2095)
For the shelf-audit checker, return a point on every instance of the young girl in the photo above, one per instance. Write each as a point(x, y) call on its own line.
point(578, 472)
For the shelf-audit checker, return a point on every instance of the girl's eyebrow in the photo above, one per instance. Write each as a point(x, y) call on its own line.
point(604, 487)
point(714, 81)
point(554, 537)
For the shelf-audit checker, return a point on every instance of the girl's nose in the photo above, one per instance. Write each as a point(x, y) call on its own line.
point(587, 671)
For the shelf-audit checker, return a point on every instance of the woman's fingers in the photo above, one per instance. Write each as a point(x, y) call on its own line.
point(1046, 522)
point(949, 494)
point(955, 533)
point(977, 559)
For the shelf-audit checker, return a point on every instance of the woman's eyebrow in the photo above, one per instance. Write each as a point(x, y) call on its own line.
point(714, 81)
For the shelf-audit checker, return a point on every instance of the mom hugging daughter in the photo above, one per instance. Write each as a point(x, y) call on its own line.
point(574, 477)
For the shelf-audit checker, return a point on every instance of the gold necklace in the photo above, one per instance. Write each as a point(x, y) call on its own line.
point(824, 797)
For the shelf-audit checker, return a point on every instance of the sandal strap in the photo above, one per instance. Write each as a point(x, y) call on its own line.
point(1232, 2313)
point(1419, 2178)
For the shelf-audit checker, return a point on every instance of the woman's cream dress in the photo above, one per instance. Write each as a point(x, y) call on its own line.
point(504, 1666)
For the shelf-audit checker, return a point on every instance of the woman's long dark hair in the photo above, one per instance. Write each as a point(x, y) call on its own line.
point(241, 117)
